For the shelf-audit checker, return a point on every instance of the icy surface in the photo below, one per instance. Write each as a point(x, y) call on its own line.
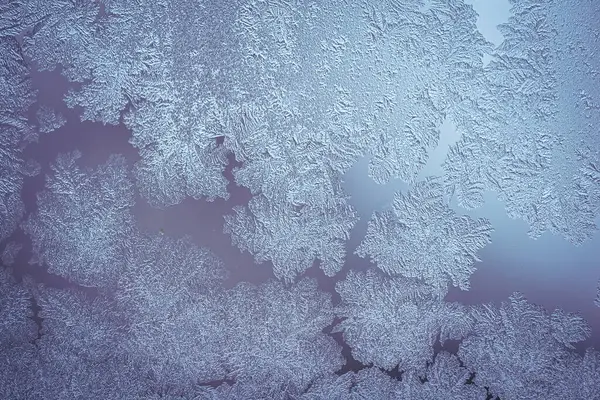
point(60, 34)
point(393, 322)
point(293, 93)
point(83, 220)
point(445, 379)
point(531, 136)
point(10, 252)
point(49, 119)
point(17, 330)
point(292, 237)
point(275, 333)
point(167, 293)
point(16, 95)
point(81, 339)
point(422, 237)
point(520, 351)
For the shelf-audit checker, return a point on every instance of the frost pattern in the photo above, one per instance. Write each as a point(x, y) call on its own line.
point(275, 333)
point(83, 220)
point(582, 380)
point(531, 135)
point(10, 252)
point(395, 321)
point(444, 379)
point(60, 34)
point(175, 122)
point(49, 119)
point(368, 383)
point(597, 300)
point(292, 237)
point(174, 327)
point(409, 89)
point(81, 340)
point(422, 237)
point(121, 50)
point(520, 351)
point(16, 326)
point(16, 95)
point(17, 330)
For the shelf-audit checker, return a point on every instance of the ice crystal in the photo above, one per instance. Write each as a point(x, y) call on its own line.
point(529, 134)
point(422, 237)
point(173, 324)
point(123, 50)
point(175, 121)
point(368, 383)
point(17, 331)
point(16, 97)
point(445, 378)
point(393, 322)
point(81, 339)
point(83, 220)
point(10, 252)
point(520, 351)
point(60, 34)
point(275, 333)
point(49, 120)
point(292, 237)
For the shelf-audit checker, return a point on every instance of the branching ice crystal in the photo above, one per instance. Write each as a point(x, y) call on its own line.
point(176, 119)
point(83, 220)
point(529, 134)
point(17, 331)
point(123, 50)
point(582, 377)
point(81, 348)
point(168, 294)
point(368, 383)
point(420, 63)
point(395, 321)
point(16, 95)
point(49, 119)
point(519, 350)
point(293, 236)
point(10, 252)
point(422, 237)
point(275, 333)
point(444, 379)
point(60, 34)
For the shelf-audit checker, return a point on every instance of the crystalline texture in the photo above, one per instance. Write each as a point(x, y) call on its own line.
point(83, 220)
point(168, 295)
point(420, 63)
point(519, 350)
point(61, 32)
point(176, 120)
point(395, 321)
point(275, 333)
point(421, 237)
point(17, 331)
point(292, 237)
point(49, 120)
point(444, 379)
point(81, 348)
point(10, 252)
point(123, 49)
point(531, 135)
point(368, 383)
point(16, 95)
